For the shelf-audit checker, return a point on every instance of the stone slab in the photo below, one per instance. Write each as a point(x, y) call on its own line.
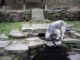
point(3, 44)
point(74, 57)
point(16, 34)
point(16, 48)
point(40, 28)
point(3, 36)
point(76, 50)
point(35, 28)
point(74, 34)
point(71, 40)
point(72, 53)
point(32, 39)
point(34, 42)
point(40, 21)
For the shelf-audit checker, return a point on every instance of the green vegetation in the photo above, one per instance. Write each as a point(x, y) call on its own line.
point(6, 27)
point(76, 24)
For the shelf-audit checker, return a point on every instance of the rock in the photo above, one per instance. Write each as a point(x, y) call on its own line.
point(40, 28)
point(27, 28)
point(49, 44)
point(3, 36)
point(2, 52)
point(33, 39)
point(72, 53)
point(76, 50)
point(35, 28)
point(16, 34)
point(74, 57)
point(16, 48)
point(71, 40)
point(15, 16)
point(3, 44)
point(34, 42)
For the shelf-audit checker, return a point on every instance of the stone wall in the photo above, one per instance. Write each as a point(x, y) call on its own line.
point(15, 16)
point(50, 15)
point(65, 15)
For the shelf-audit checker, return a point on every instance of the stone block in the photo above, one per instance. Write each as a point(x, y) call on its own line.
point(34, 42)
point(16, 34)
point(3, 44)
point(16, 48)
point(3, 36)
point(71, 40)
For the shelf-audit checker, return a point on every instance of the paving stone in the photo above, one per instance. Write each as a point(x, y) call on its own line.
point(35, 28)
point(16, 48)
point(33, 39)
point(40, 28)
point(3, 44)
point(16, 34)
point(49, 43)
point(28, 29)
point(74, 57)
point(6, 58)
point(72, 53)
point(34, 42)
point(71, 40)
point(3, 36)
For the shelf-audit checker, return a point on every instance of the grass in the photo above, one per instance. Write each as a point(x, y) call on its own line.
point(6, 27)
point(76, 24)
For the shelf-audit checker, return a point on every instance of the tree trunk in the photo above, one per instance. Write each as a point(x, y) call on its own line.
point(2, 2)
point(23, 1)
